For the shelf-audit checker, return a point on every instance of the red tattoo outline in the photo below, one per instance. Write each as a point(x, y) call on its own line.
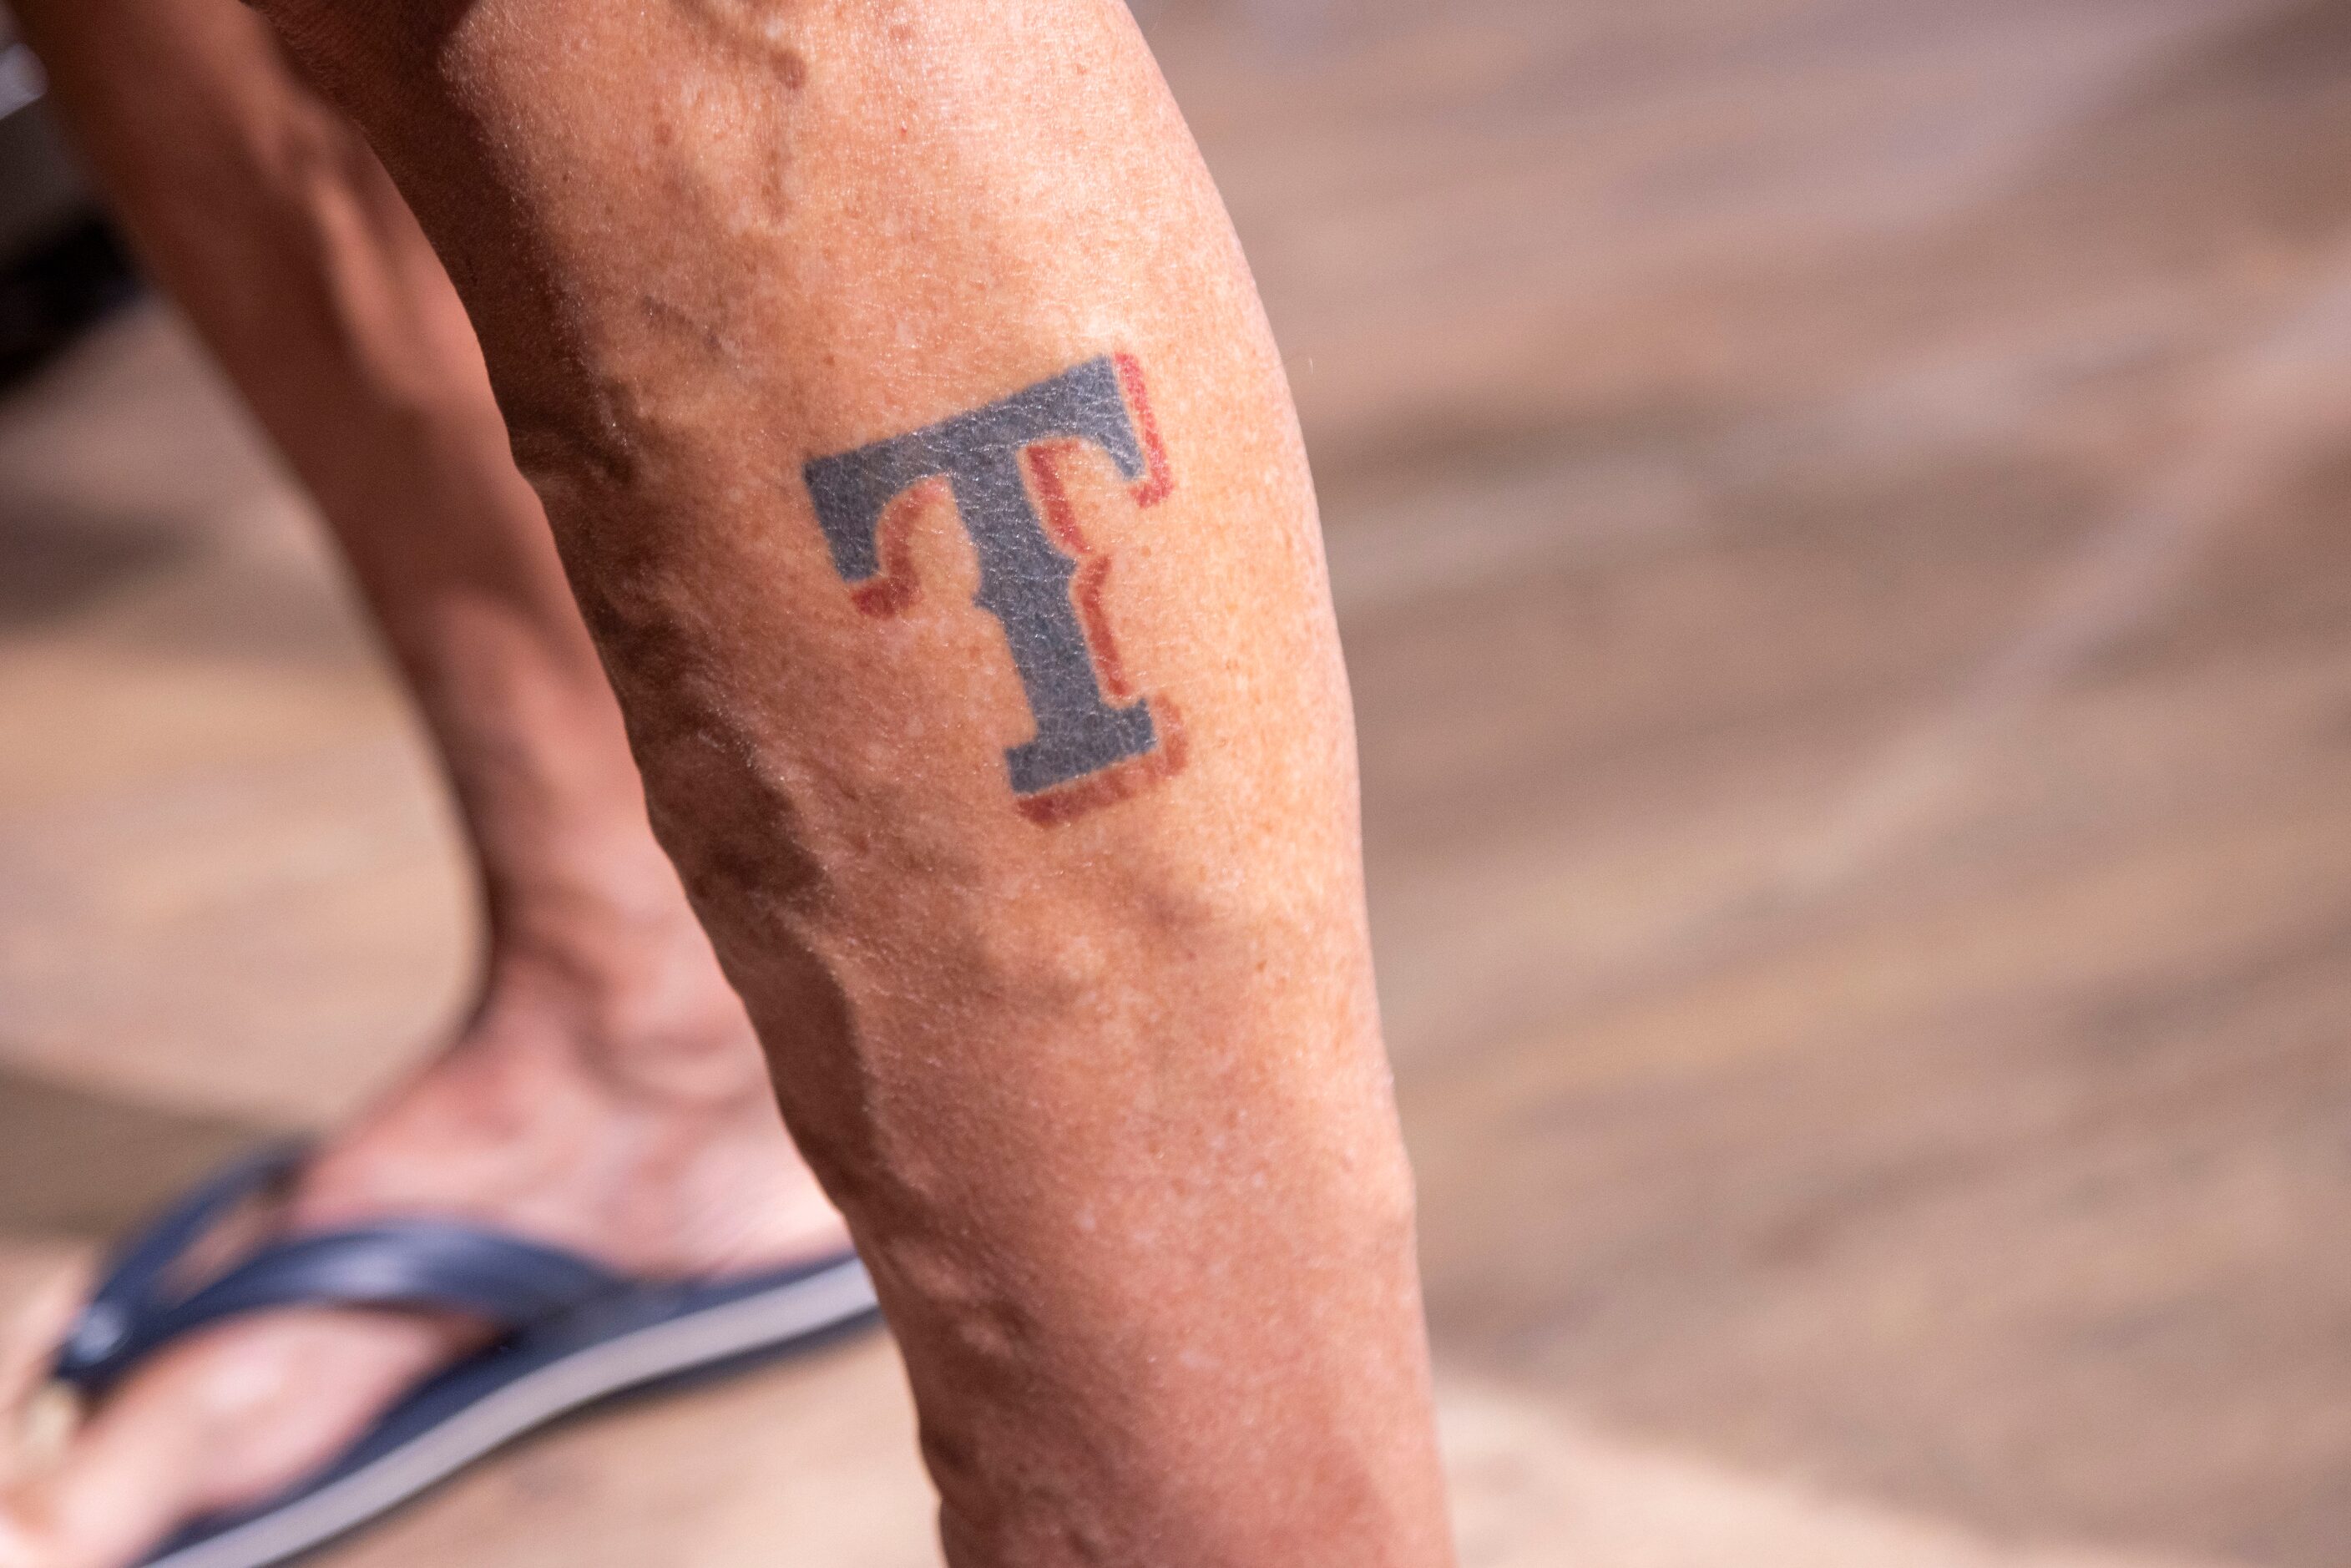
point(1081, 797)
point(1159, 483)
point(1059, 808)
point(895, 589)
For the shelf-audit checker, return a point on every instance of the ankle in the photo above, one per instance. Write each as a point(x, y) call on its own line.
point(632, 1121)
point(643, 1015)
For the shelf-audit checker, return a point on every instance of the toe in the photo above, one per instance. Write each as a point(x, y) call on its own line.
point(19, 1547)
point(225, 1420)
point(28, 1342)
point(113, 1492)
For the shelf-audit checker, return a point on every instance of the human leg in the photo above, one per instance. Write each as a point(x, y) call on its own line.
point(607, 1093)
point(835, 337)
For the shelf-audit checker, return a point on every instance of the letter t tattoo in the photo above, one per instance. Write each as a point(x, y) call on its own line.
point(1024, 576)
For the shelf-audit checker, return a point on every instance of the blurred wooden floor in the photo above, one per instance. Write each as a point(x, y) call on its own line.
point(1839, 512)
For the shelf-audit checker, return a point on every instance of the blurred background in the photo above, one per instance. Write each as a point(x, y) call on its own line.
point(1837, 509)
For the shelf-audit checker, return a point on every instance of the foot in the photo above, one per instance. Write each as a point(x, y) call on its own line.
point(644, 1136)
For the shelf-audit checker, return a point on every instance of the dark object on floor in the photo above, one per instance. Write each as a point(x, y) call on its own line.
point(62, 284)
point(61, 266)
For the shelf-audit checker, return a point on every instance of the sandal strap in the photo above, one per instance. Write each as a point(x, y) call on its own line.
point(429, 1265)
point(136, 1270)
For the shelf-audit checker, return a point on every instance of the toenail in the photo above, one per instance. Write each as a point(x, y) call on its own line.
point(52, 1415)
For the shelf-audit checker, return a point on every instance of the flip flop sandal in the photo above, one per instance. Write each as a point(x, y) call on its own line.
point(570, 1332)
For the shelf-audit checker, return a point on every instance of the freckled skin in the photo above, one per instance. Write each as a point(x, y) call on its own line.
point(1102, 1096)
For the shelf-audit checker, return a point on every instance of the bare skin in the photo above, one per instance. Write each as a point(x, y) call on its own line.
point(1071, 1010)
point(1080, 1039)
point(608, 1092)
